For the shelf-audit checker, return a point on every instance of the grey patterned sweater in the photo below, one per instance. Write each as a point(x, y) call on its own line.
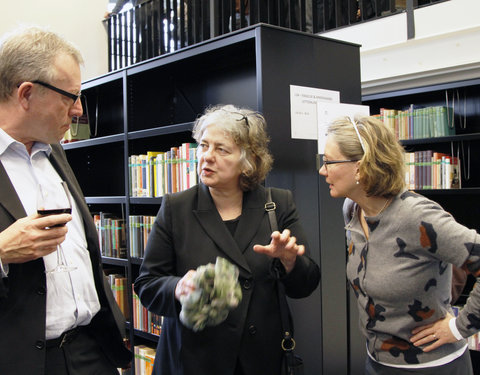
point(402, 275)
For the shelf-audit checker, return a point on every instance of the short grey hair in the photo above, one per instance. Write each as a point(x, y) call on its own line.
point(28, 54)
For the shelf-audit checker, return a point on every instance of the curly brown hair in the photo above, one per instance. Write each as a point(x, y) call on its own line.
point(247, 129)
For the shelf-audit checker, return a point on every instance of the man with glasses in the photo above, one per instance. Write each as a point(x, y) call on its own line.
point(74, 97)
point(50, 323)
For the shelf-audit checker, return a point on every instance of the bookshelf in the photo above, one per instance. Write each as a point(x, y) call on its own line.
point(464, 97)
point(464, 144)
point(151, 106)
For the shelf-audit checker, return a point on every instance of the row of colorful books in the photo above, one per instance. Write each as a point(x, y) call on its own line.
point(157, 173)
point(144, 358)
point(144, 320)
point(111, 235)
point(139, 227)
point(432, 170)
point(118, 284)
point(415, 123)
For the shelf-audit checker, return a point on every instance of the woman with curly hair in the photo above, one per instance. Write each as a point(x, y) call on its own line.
point(224, 216)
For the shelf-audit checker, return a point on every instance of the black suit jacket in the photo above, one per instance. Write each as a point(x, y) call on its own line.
point(23, 292)
point(189, 232)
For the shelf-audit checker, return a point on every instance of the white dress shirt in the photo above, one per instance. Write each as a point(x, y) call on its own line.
point(72, 299)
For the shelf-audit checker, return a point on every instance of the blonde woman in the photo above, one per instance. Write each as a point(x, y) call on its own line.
point(401, 247)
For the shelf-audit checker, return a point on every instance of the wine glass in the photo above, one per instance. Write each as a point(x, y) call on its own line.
point(50, 202)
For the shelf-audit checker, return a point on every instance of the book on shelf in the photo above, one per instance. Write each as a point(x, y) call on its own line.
point(159, 175)
point(111, 235)
point(168, 172)
point(456, 174)
point(150, 173)
point(132, 175)
point(409, 160)
point(389, 116)
point(431, 170)
point(159, 172)
point(149, 361)
point(142, 176)
point(144, 320)
point(118, 284)
point(144, 357)
point(191, 156)
point(419, 122)
point(174, 168)
point(139, 228)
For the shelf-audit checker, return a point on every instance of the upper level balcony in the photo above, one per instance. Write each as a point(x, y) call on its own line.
point(158, 27)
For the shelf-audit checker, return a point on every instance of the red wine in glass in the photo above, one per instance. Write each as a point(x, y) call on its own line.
point(55, 211)
point(54, 203)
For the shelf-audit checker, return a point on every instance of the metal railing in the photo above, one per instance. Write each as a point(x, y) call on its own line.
point(157, 27)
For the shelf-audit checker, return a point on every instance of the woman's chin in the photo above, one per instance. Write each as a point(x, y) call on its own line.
point(334, 193)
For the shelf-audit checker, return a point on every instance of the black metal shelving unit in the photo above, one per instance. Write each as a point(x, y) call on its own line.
point(152, 106)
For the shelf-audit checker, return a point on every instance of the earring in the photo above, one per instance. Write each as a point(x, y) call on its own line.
point(357, 182)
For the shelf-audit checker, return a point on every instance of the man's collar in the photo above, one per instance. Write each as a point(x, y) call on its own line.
point(7, 141)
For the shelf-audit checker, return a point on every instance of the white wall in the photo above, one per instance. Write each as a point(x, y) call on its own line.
point(80, 22)
point(446, 47)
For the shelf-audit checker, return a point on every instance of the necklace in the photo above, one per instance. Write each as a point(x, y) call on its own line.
point(363, 213)
point(384, 206)
point(363, 220)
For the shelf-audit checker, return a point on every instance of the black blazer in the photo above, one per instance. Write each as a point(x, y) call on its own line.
point(189, 232)
point(23, 292)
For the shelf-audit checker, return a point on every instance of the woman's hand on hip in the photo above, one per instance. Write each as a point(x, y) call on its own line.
point(434, 335)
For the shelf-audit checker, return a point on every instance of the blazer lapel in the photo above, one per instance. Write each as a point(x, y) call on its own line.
point(210, 220)
point(253, 212)
point(63, 172)
point(67, 175)
point(8, 196)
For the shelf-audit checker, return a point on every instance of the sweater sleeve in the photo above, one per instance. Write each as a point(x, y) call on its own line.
point(451, 242)
point(468, 320)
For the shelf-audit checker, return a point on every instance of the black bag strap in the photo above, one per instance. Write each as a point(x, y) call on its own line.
point(270, 207)
point(288, 343)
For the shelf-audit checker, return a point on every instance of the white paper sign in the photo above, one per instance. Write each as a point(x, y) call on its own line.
point(327, 112)
point(303, 109)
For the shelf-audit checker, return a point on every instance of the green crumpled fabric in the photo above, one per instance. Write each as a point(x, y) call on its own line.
point(217, 292)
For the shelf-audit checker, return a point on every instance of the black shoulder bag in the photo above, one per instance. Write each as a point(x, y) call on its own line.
point(292, 364)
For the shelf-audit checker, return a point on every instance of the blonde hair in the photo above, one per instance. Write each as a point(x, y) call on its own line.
point(381, 158)
point(28, 54)
point(247, 129)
